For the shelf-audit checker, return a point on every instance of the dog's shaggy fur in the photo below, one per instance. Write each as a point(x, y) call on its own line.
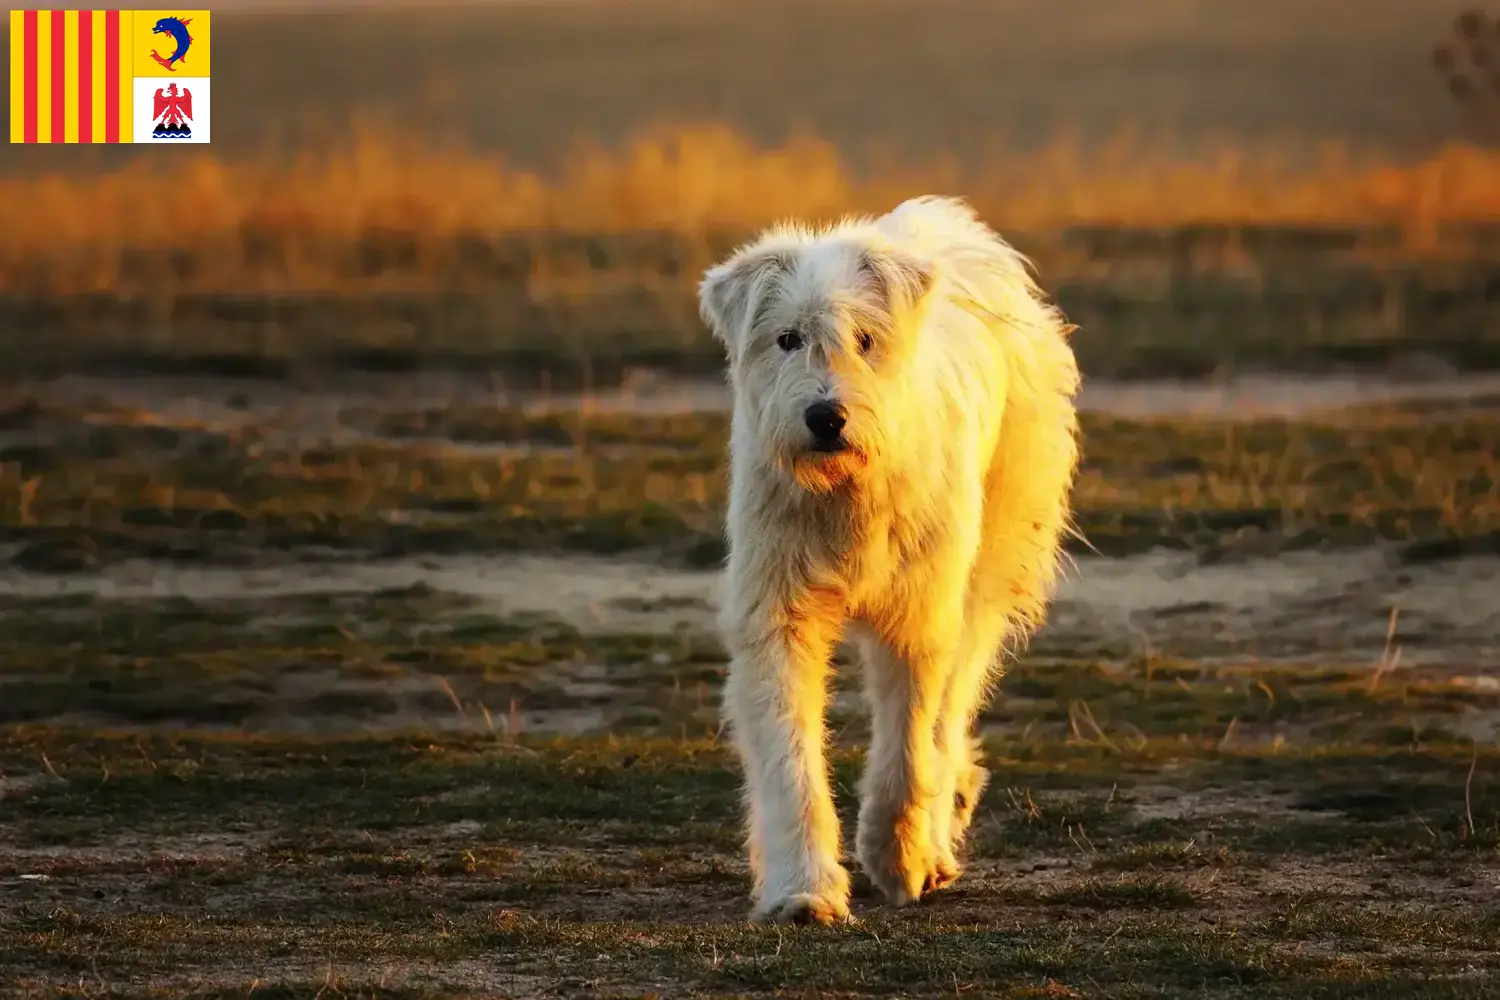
point(927, 528)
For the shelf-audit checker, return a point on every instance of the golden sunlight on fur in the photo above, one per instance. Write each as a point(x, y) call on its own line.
point(901, 455)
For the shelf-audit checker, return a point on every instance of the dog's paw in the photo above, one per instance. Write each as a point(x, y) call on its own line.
point(943, 872)
point(897, 855)
point(803, 908)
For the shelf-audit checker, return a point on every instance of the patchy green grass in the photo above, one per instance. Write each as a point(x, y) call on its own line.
point(417, 656)
point(153, 863)
point(81, 488)
point(399, 657)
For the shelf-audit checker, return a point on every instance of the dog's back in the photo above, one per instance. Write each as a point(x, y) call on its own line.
point(978, 263)
point(1027, 510)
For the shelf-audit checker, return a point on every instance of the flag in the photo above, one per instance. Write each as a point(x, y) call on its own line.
point(109, 76)
point(170, 54)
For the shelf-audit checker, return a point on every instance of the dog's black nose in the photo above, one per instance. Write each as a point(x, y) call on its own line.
point(825, 420)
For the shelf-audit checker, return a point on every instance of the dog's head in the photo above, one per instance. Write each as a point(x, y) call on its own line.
point(820, 330)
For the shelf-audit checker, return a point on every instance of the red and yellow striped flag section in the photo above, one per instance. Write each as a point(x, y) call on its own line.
point(81, 75)
point(70, 75)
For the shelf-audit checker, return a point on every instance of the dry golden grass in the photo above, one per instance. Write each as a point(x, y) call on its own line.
point(67, 233)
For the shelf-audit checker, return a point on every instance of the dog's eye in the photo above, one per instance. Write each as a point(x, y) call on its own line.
point(789, 341)
point(866, 342)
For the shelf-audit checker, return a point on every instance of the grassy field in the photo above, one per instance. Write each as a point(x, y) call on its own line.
point(88, 486)
point(415, 700)
point(377, 867)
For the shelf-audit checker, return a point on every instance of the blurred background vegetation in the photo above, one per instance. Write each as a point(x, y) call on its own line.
point(1205, 186)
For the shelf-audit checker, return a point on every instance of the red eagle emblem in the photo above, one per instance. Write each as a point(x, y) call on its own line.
point(172, 110)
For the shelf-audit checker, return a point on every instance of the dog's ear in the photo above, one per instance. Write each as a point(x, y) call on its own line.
point(730, 292)
point(900, 279)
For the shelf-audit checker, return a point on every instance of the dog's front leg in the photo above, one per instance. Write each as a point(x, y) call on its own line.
point(902, 779)
point(775, 697)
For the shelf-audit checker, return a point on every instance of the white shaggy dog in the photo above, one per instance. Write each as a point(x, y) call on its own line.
point(902, 453)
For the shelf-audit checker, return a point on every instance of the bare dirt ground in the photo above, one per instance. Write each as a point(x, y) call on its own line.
point(1336, 607)
point(314, 408)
